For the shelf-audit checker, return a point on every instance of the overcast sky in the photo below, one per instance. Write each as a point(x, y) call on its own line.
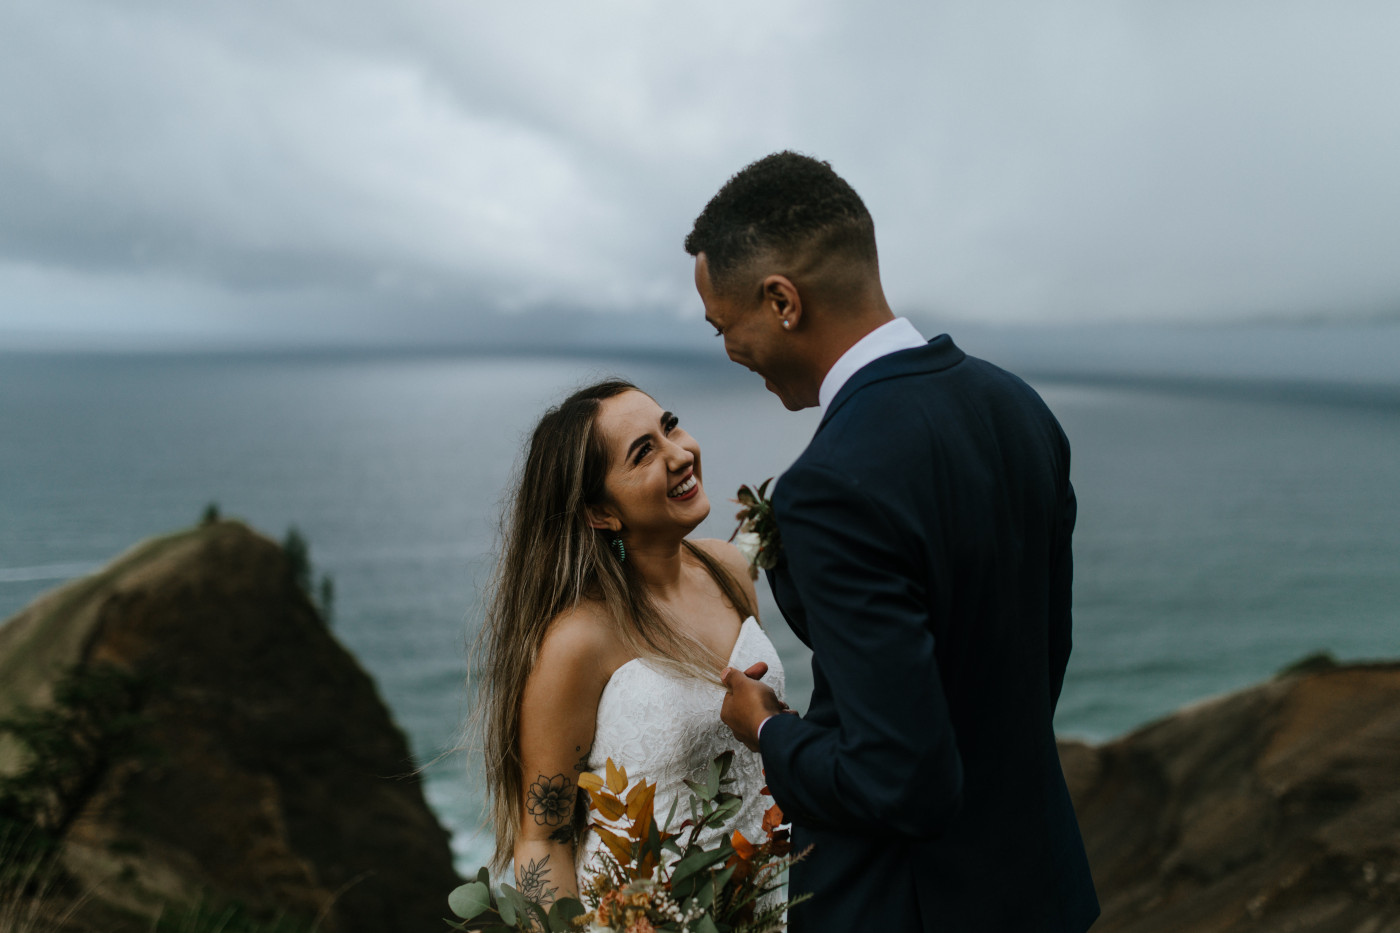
point(342, 171)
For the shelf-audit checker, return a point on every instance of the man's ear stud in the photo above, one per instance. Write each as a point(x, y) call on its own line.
point(787, 323)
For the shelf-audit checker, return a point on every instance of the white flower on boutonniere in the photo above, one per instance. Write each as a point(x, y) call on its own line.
point(757, 535)
point(749, 544)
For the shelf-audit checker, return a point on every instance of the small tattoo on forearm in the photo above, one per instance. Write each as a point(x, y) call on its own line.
point(550, 800)
point(534, 881)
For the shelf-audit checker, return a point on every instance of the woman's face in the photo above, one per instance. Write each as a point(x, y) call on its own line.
point(653, 481)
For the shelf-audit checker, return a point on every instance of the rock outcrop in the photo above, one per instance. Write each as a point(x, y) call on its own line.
point(273, 775)
point(1274, 809)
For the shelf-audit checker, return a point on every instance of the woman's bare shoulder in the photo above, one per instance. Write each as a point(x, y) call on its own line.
point(580, 643)
point(722, 551)
point(729, 557)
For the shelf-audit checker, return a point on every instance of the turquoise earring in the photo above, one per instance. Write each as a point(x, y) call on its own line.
point(619, 549)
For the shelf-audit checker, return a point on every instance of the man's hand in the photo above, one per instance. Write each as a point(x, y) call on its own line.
point(748, 703)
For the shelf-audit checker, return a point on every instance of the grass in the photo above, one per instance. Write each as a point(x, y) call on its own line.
point(209, 918)
point(35, 896)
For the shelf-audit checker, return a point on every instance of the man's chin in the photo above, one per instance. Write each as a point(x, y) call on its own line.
point(790, 403)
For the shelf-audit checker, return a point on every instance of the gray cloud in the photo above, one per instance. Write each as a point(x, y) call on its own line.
point(351, 171)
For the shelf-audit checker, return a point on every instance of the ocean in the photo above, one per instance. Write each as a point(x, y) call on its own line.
point(1226, 527)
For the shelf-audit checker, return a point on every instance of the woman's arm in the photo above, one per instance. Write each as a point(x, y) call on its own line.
point(557, 717)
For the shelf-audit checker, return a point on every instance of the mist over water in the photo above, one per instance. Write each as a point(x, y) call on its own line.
point(1225, 528)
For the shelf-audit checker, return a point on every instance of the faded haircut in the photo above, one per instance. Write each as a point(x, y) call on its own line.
point(787, 205)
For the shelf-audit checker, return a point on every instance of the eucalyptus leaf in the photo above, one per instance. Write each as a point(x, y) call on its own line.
point(671, 815)
point(698, 861)
point(521, 903)
point(683, 891)
point(728, 809)
point(506, 906)
point(705, 925)
point(562, 914)
point(469, 900)
point(712, 779)
point(650, 844)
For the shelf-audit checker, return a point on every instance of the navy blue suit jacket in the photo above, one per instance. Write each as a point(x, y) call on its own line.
point(926, 561)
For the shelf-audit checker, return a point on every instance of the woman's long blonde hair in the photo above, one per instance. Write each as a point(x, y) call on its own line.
point(551, 560)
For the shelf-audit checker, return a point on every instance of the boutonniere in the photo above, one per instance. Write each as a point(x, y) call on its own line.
point(757, 535)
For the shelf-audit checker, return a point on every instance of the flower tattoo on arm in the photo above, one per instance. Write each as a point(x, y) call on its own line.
point(550, 800)
point(534, 881)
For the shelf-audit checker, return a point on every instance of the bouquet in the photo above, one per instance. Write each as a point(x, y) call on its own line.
point(715, 889)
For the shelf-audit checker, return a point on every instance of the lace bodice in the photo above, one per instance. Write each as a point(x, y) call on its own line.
point(665, 728)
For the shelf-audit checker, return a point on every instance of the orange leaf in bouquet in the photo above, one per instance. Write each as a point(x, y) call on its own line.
point(609, 806)
point(779, 840)
point(617, 778)
point(640, 802)
point(772, 820)
point(742, 847)
point(590, 782)
point(620, 848)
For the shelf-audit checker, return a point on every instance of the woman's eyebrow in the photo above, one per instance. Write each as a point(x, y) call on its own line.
point(665, 417)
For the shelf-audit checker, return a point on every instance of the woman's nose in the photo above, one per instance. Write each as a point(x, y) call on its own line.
point(678, 457)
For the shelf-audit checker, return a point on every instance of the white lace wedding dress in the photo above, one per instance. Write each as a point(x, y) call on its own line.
point(666, 728)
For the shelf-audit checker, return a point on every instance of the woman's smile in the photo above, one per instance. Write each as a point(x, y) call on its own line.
point(686, 488)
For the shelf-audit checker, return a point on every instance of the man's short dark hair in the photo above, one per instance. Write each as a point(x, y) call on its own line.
point(786, 204)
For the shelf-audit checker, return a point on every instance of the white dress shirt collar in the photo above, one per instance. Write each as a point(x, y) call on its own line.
point(890, 337)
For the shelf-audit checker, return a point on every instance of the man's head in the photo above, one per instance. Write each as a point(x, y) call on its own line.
point(786, 266)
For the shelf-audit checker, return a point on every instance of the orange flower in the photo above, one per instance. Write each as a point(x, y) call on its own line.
point(772, 820)
point(610, 908)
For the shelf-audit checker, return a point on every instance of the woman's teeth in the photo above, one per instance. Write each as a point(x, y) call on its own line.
point(683, 488)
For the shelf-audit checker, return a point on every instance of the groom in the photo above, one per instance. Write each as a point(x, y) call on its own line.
point(925, 560)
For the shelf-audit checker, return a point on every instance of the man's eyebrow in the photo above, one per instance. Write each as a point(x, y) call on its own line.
point(665, 417)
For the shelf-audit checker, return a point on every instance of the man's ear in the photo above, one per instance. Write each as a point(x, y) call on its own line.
point(781, 299)
point(602, 518)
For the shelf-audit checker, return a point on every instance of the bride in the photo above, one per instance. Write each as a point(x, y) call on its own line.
point(607, 631)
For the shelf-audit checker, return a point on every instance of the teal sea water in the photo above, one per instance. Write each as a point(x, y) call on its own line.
point(1225, 529)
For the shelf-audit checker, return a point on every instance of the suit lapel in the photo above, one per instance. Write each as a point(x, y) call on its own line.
point(940, 353)
point(785, 595)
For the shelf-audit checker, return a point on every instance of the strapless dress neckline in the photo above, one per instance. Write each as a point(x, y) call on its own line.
point(664, 728)
point(744, 627)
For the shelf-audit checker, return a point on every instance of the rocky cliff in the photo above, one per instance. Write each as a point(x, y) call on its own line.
point(270, 773)
point(1273, 809)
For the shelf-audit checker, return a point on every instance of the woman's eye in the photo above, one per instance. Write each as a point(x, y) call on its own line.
point(642, 451)
point(672, 423)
